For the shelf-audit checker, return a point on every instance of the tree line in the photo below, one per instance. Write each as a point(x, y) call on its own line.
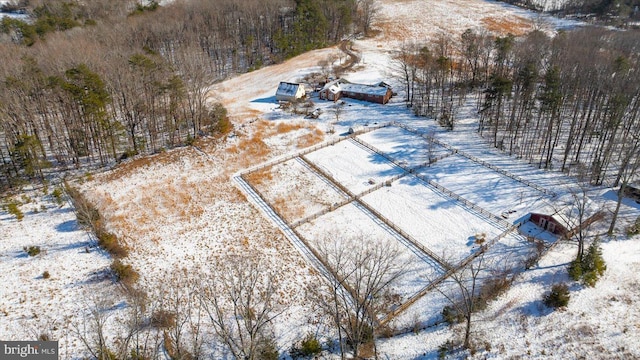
point(615, 12)
point(97, 81)
point(567, 102)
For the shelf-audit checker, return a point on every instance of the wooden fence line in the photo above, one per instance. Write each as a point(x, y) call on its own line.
point(399, 163)
point(337, 205)
point(477, 160)
point(314, 216)
point(335, 182)
point(311, 149)
point(466, 202)
point(405, 235)
point(382, 218)
point(325, 267)
point(450, 271)
point(376, 151)
point(386, 182)
point(434, 184)
point(290, 227)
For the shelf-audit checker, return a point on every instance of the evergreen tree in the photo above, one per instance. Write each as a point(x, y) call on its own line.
point(594, 264)
point(29, 156)
point(558, 297)
point(590, 267)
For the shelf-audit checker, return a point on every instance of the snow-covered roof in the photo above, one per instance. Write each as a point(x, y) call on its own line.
point(339, 85)
point(335, 85)
point(334, 88)
point(365, 89)
point(287, 89)
point(566, 209)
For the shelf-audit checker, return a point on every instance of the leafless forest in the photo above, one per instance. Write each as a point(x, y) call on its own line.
point(98, 81)
point(570, 102)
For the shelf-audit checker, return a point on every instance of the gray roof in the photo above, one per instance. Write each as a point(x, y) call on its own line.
point(287, 89)
point(344, 85)
point(365, 89)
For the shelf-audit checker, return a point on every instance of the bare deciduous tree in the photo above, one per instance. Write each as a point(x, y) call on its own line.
point(578, 212)
point(368, 12)
point(630, 164)
point(463, 297)
point(240, 300)
point(140, 340)
point(179, 315)
point(92, 329)
point(356, 293)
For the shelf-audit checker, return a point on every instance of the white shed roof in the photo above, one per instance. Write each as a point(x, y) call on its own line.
point(287, 89)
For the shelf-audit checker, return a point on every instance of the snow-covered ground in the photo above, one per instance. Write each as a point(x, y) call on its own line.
point(438, 222)
point(178, 210)
point(17, 16)
point(492, 191)
point(352, 223)
point(32, 304)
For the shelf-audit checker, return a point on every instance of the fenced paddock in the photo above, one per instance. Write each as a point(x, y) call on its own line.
point(355, 168)
point(295, 190)
point(493, 191)
point(438, 222)
point(403, 145)
point(379, 186)
point(352, 223)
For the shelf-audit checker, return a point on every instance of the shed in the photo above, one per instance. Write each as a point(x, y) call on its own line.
point(549, 223)
point(289, 91)
point(563, 219)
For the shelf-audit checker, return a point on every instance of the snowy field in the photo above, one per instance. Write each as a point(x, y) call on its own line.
point(441, 228)
point(357, 169)
point(404, 146)
point(294, 190)
point(352, 223)
point(33, 302)
point(438, 222)
point(492, 191)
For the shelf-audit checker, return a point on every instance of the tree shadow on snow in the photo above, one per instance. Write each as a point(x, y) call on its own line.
point(67, 226)
point(535, 308)
point(81, 246)
point(266, 100)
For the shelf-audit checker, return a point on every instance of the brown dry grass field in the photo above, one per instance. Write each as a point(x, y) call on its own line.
point(516, 25)
point(179, 209)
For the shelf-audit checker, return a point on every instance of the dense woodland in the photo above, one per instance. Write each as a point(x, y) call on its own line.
point(618, 12)
point(97, 81)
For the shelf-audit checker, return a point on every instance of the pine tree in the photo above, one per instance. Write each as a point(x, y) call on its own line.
point(558, 297)
point(590, 267)
point(594, 264)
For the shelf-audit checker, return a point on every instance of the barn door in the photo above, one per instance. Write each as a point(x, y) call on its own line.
point(543, 223)
point(551, 227)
